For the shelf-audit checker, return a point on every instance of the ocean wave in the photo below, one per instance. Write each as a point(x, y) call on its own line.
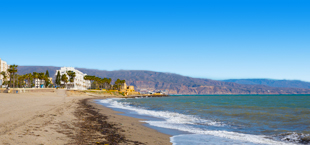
point(170, 117)
point(202, 139)
point(185, 123)
point(294, 137)
point(257, 139)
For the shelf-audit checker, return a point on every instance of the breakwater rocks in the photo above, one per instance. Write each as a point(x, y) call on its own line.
point(145, 96)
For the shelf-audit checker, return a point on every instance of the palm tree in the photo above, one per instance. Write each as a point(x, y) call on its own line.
point(12, 70)
point(10, 75)
point(35, 76)
point(16, 81)
point(29, 77)
point(21, 79)
point(30, 80)
point(41, 78)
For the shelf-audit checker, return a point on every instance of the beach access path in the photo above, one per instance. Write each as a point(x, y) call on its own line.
point(56, 118)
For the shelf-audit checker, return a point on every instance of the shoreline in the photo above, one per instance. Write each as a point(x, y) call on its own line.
point(68, 117)
point(132, 128)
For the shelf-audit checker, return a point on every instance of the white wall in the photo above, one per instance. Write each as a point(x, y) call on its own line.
point(79, 82)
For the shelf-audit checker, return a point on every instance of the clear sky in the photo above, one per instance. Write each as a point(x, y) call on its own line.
point(216, 39)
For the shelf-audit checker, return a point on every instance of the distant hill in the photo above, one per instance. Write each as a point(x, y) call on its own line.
point(174, 83)
point(272, 83)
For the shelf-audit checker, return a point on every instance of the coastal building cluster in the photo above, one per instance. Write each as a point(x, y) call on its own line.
point(66, 77)
point(39, 83)
point(79, 83)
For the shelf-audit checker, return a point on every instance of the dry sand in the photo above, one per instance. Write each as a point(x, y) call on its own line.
point(62, 118)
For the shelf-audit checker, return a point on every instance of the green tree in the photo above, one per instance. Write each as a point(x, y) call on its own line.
point(12, 70)
point(91, 79)
point(71, 75)
point(102, 83)
point(97, 80)
point(15, 81)
point(41, 78)
point(47, 82)
point(47, 74)
point(64, 78)
point(97, 83)
point(106, 82)
point(35, 77)
point(58, 79)
point(21, 80)
point(29, 79)
point(109, 83)
point(118, 83)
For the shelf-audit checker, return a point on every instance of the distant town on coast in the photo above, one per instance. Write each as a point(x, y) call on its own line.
point(65, 78)
point(139, 82)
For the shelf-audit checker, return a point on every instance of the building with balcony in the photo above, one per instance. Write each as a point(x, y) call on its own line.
point(3, 68)
point(79, 82)
point(39, 83)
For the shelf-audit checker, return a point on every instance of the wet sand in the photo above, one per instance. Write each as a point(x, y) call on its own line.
point(133, 128)
point(68, 118)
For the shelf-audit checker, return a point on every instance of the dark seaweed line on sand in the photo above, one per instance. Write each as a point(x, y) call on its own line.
point(94, 128)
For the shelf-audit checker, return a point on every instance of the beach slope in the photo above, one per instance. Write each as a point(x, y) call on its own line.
point(61, 118)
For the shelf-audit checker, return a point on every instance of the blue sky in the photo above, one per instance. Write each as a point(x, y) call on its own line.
point(217, 39)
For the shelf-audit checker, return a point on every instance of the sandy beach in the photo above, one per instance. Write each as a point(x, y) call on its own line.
point(56, 118)
point(133, 128)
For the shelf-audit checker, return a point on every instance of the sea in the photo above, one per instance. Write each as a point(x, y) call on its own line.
point(223, 119)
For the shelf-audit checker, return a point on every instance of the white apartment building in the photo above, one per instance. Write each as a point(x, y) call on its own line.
point(3, 67)
point(79, 82)
point(39, 83)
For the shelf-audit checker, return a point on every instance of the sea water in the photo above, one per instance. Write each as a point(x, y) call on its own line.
point(223, 119)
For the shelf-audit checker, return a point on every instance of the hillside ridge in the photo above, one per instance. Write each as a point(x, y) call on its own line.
point(174, 83)
point(272, 83)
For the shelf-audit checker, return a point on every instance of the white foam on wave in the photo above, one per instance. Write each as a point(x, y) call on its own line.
point(170, 117)
point(202, 139)
point(183, 123)
point(257, 139)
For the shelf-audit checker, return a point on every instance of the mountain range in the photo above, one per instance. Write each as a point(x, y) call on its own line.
point(272, 83)
point(178, 84)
